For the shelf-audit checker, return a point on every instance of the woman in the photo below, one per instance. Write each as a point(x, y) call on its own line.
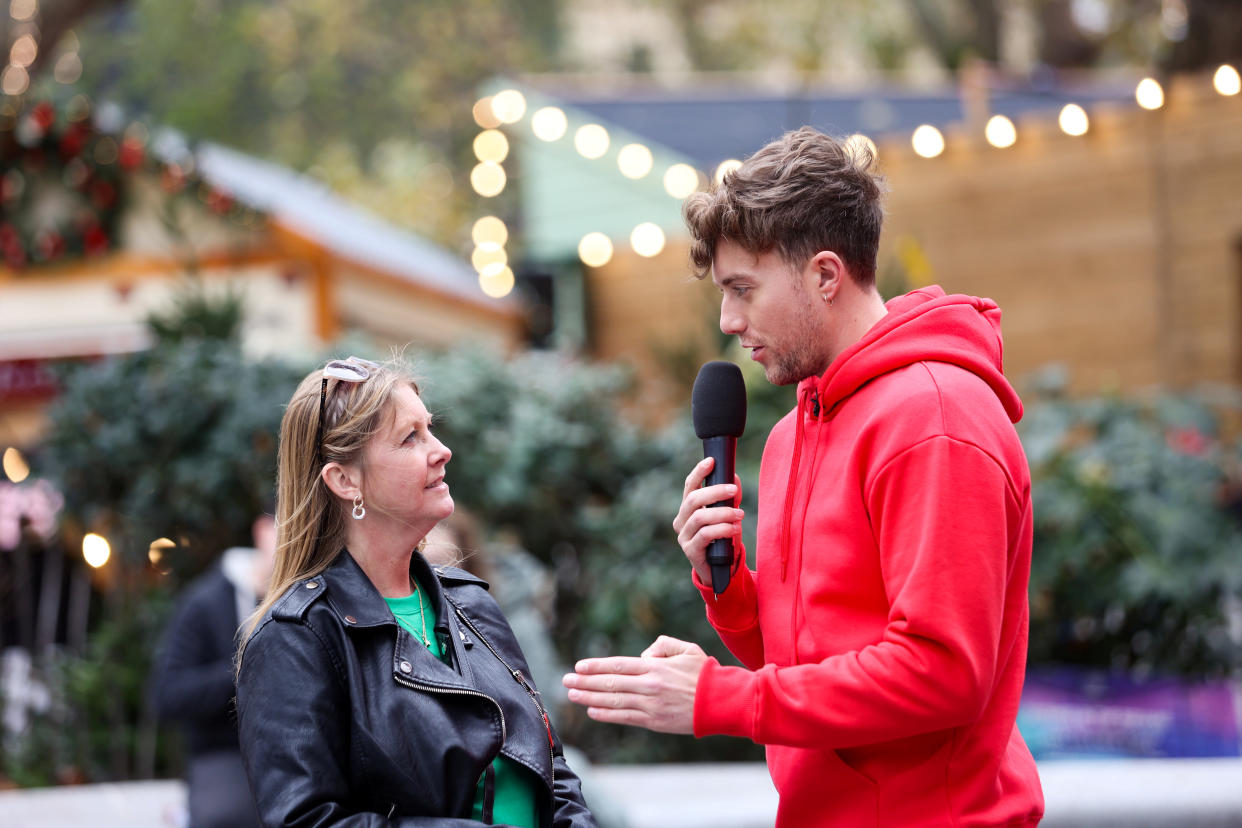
point(373, 689)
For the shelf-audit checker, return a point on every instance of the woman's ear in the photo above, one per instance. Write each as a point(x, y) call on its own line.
point(342, 481)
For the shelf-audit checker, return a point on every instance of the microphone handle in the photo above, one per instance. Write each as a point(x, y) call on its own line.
point(723, 450)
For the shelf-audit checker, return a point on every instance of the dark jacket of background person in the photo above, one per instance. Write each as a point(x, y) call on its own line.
point(192, 684)
point(346, 717)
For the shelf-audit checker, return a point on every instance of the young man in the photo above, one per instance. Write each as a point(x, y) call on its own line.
point(884, 628)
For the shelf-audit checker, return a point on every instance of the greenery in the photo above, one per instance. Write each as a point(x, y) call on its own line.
point(175, 442)
point(1137, 527)
point(371, 96)
point(542, 455)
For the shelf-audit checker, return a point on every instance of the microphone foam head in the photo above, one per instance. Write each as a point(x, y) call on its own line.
point(718, 402)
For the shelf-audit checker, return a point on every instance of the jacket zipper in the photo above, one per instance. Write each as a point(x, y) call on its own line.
point(431, 688)
point(530, 691)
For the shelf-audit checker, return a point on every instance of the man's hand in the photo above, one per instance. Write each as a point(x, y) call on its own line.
point(655, 690)
point(698, 523)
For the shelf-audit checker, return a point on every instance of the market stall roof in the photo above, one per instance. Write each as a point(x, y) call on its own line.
point(312, 210)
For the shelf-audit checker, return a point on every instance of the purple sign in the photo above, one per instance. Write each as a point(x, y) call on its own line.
point(1075, 713)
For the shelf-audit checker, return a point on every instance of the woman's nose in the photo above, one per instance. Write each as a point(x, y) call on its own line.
point(443, 452)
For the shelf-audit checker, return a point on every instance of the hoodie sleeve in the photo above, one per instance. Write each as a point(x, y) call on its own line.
point(941, 512)
point(735, 614)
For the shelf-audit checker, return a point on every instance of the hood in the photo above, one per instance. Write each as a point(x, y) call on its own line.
point(923, 325)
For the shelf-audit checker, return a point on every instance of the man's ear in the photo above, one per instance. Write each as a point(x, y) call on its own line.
point(830, 272)
point(342, 481)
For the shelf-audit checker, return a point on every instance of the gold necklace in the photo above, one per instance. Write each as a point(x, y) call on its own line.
point(421, 615)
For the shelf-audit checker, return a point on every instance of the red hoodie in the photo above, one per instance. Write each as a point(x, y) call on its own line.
point(884, 628)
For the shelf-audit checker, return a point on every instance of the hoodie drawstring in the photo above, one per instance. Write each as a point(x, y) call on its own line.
point(792, 484)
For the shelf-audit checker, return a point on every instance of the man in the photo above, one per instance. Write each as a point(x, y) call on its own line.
point(192, 680)
point(884, 628)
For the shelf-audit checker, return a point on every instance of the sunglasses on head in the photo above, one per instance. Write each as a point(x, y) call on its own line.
point(351, 369)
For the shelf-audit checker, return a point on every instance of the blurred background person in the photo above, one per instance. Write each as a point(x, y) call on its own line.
point(192, 680)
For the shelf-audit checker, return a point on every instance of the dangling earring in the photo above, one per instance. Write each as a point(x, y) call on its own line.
point(359, 511)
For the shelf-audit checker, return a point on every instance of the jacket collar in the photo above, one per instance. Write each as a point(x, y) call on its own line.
point(351, 594)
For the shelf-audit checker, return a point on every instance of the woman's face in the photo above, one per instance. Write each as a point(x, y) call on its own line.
point(404, 472)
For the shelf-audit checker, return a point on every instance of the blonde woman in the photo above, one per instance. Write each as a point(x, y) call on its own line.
point(373, 689)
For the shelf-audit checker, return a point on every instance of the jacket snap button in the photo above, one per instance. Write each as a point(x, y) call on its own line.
point(406, 667)
point(349, 619)
point(312, 584)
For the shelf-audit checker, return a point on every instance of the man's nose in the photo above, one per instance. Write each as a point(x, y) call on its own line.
point(731, 322)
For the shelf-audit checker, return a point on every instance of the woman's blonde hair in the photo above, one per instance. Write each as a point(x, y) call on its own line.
point(310, 519)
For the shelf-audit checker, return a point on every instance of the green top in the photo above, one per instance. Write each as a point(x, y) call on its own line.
point(515, 802)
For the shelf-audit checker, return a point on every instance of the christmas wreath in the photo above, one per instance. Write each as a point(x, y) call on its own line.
point(64, 182)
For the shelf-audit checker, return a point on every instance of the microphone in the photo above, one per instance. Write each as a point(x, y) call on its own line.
point(718, 409)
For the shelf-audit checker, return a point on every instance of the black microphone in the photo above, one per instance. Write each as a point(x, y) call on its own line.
point(718, 408)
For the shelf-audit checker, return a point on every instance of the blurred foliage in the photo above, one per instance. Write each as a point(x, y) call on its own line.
point(906, 37)
point(97, 724)
point(542, 455)
point(1138, 523)
point(372, 96)
point(177, 441)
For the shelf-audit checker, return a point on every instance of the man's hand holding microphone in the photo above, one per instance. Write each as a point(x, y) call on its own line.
point(656, 690)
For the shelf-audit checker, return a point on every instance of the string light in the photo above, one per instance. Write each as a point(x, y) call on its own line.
point(857, 143)
point(724, 168)
point(489, 229)
point(1226, 80)
point(15, 466)
point(488, 179)
point(24, 51)
point(96, 549)
point(483, 114)
point(491, 145)
point(647, 239)
point(1073, 120)
point(595, 250)
point(23, 10)
point(158, 549)
point(927, 141)
point(549, 124)
point(680, 180)
point(509, 106)
point(1000, 132)
point(496, 282)
point(1149, 94)
point(487, 254)
point(635, 161)
point(591, 141)
point(15, 81)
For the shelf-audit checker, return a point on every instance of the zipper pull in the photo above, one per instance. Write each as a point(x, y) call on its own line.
point(465, 639)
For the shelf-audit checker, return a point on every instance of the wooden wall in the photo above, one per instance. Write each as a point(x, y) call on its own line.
point(1115, 254)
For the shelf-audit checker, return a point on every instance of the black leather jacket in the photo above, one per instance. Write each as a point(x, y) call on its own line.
point(347, 719)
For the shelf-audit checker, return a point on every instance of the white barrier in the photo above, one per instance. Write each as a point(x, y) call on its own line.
point(1135, 793)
